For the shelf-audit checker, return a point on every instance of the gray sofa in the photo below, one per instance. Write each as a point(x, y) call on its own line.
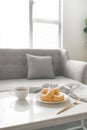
point(13, 68)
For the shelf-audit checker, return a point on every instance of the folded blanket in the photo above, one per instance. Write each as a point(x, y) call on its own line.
point(73, 90)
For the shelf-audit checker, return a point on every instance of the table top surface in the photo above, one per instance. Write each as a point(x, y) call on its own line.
point(31, 113)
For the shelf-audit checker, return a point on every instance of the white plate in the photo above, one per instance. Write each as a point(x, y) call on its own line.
point(65, 98)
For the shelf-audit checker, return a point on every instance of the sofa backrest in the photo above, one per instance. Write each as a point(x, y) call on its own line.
point(13, 62)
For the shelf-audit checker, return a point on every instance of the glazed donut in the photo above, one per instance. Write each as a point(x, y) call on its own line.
point(46, 94)
point(56, 91)
point(58, 97)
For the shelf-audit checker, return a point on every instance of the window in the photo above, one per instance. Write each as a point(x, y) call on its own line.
point(29, 24)
point(46, 24)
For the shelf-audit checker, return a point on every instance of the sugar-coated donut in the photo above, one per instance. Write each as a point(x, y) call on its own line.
point(46, 94)
point(56, 91)
point(59, 97)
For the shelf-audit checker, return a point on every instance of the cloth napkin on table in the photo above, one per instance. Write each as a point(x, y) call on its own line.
point(35, 89)
point(75, 91)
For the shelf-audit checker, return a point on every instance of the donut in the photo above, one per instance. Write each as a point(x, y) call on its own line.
point(56, 91)
point(44, 91)
point(50, 99)
point(59, 97)
point(46, 94)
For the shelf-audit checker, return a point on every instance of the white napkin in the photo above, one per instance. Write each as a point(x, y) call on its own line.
point(75, 91)
point(35, 89)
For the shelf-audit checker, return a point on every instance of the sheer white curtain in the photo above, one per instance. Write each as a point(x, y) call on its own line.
point(14, 23)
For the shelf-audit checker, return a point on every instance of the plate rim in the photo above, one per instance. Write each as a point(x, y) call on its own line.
point(38, 99)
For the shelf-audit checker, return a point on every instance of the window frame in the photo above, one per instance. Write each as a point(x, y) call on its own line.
point(47, 21)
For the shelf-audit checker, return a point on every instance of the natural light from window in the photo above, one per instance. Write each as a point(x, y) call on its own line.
point(14, 24)
point(45, 26)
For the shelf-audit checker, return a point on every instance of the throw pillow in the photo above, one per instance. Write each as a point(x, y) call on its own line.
point(39, 67)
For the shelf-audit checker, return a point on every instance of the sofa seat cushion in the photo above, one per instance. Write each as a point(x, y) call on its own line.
point(6, 85)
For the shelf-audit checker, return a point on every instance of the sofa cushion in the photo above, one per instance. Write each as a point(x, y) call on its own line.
point(6, 85)
point(39, 67)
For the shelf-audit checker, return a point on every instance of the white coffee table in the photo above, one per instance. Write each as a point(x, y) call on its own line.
point(30, 114)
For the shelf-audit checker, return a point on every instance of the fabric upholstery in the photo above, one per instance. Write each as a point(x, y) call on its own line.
point(13, 62)
point(39, 67)
point(76, 70)
point(6, 85)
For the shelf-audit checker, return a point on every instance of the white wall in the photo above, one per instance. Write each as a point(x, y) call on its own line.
point(74, 14)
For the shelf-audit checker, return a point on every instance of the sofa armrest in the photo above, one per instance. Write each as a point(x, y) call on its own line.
point(76, 70)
